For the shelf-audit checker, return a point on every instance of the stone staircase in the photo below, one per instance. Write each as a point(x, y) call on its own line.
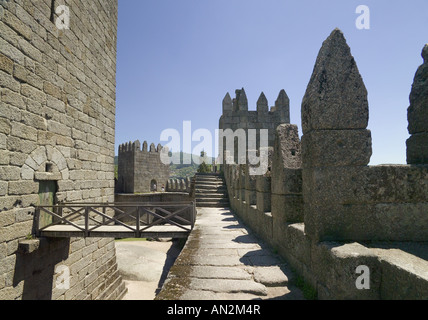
point(210, 191)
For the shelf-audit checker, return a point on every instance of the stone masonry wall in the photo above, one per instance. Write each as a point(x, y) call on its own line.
point(57, 122)
point(139, 167)
point(324, 209)
point(236, 116)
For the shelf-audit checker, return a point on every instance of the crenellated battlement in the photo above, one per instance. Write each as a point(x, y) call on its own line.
point(237, 116)
point(138, 147)
point(321, 205)
point(140, 168)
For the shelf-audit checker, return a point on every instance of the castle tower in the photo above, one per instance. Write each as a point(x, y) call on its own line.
point(57, 129)
point(236, 116)
point(141, 170)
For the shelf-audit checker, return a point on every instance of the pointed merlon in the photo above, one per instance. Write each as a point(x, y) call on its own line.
point(336, 97)
point(283, 102)
point(282, 107)
point(417, 115)
point(145, 146)
point(425, 53)
point(152, 148)
point(262, 104)
point(227, 103)
point(159, 148)
point(418, 110)
point(242, 100)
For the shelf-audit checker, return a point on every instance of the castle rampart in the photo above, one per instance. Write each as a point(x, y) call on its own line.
point(324, 209)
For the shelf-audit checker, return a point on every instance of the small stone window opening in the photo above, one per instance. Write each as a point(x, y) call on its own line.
point(153, 186)
point(48, 167)
point(293, 152)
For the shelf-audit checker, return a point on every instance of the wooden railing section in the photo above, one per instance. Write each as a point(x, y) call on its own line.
point(118, 220)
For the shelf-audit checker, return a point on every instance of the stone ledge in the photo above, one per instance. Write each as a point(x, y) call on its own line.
point(47, 176)
point(28, 246)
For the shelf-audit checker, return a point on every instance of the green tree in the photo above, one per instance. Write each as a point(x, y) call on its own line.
point(203, 167)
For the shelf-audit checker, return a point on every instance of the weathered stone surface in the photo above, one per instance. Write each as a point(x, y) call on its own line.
point(336, 97)
point(241, 100)
point(336, 264)
point(227, 103)
point(270, 276)
point(263, 119)
point(418, 110)
point(262, 104)
point(57, 123)
point(322, 148)
point(139, 170)
point(287, 208)
point(222, 259)
point(417, 148)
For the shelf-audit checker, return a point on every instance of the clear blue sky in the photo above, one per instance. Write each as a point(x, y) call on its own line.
point(178, 58)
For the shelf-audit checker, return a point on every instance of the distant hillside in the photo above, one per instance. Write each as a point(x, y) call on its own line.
point(178, 170)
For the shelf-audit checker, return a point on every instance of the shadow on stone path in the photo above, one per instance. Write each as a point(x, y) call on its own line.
point(223, 260)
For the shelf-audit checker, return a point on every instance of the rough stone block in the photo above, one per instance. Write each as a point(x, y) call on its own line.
point(370, 184)
point(417, 147)
point(287, 208)
point(324, 148)
point(404, 274)
point(263, 183)
point(418, 110)
point(5, 126)
point(263, 201)
point(250, 197)
point(28, 246)
point(287, 152)
point(336, 268)
point(297, 244)
point(265, 226)
point(336, 97)
point(365, 222)
point(287, 181)
point(6, 64)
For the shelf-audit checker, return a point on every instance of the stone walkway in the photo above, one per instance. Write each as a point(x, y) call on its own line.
point(223, 260)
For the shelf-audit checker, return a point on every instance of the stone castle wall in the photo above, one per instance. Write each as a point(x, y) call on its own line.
point(237, 116)
point(324, 209)
point(139, 167)
point(57, 123)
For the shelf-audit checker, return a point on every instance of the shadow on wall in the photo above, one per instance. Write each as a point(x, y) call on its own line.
point(37, 269)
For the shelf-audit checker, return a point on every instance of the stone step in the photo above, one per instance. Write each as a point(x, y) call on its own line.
point(205, 178)
point(220, 183)
point(218, 195)
point(211, 200)
point(210, 186)
point(212, 205)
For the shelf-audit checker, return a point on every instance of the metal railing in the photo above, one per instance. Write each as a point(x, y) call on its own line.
point(135, 218)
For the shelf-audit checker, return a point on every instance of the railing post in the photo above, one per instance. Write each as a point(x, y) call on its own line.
point(193, 214)
point(137, 231)
point(37, 222)
point(104, 219)
point(86, 222)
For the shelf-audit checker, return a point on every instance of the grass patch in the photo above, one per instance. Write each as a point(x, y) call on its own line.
point(309, 292)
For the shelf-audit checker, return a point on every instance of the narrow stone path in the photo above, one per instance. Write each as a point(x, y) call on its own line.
point(223, 260)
